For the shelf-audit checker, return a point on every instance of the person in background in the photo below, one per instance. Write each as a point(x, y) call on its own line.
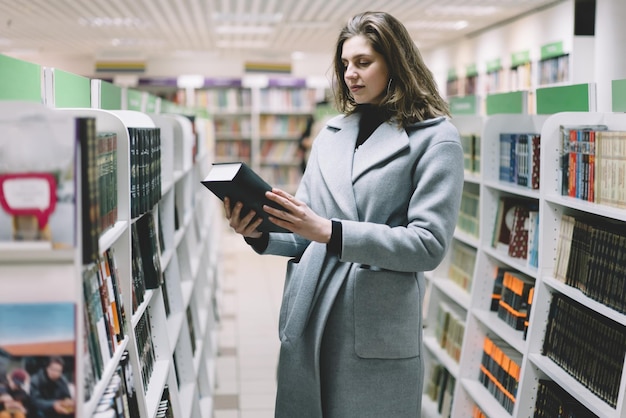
point(376, 207)
point(14, 397)
point(311, 128)
point(50, 391)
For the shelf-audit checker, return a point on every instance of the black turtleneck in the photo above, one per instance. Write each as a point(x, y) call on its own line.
point(372, 117)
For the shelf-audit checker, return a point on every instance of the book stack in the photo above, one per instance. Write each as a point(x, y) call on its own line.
point(449, 330)
point(514, 304)
point(591, 256)
point(145, 169)
point(553, 401)
point(587, 345)
point(519, 159)
point(462, 260)
point(500, 371)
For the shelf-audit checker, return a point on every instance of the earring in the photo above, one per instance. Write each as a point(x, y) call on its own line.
point(389, 85)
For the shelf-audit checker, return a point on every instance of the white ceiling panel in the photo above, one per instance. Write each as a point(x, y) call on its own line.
point(271, 28)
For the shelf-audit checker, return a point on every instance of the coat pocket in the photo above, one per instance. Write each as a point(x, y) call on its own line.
point(387, 314)
point(288, 293)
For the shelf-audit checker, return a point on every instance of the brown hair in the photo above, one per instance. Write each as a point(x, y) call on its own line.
point(412, 95)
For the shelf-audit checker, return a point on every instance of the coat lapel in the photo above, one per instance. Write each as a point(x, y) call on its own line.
point(385, 142)
point(336, 151)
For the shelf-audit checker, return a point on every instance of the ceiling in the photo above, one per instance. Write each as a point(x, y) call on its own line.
point(271, 29)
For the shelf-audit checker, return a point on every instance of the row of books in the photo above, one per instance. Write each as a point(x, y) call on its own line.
point(500, 371)
point(516, 228)
point(227, 99)
point(440, 389)
point(477, 412)
point(592, 164)
point(287, 99)
point(519, 159)
point(145, 169)
point(471, 153)
point(587, 345)
point(469, 220)
point(145, 258)
point(554, 70)
point(279, 152)
point(282, 125)
point(104, 315)
point(553, 401)
point(512, 298)
point(232, 126)
point(462, 261)
point(145, 348)
point(233, 150)
point(449, 330)
point(591, 256)
point(119, 399)
point(279, 175)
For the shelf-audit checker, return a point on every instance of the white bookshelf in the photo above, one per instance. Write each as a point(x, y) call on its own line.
point(189, 261)
point(480, 321)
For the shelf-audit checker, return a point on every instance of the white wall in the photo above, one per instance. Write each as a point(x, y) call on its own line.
point(527, 33)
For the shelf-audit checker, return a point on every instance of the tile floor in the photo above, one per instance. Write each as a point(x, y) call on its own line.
point(248, 334)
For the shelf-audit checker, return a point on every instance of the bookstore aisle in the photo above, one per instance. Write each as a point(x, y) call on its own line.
point(248, 336)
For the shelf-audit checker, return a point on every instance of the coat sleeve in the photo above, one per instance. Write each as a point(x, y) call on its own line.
point(432, 216)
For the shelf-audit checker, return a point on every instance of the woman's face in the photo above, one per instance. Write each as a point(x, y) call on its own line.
point(366, 73)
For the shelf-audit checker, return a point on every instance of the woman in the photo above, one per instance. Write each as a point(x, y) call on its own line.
point(376, 207)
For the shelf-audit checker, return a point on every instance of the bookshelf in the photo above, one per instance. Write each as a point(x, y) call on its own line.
point(539, 369)
point(259, 121)
point(164, 347)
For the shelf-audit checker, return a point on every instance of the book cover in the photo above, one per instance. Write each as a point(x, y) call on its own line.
point(240, 183)
point(38, 344)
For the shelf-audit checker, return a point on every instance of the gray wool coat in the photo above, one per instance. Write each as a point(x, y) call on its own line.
point(351, 327)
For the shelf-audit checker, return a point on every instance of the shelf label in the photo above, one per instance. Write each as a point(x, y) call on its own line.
point(494, 65)
point(29, 194)
point(465, 105)
point(510, 103)
point(574, 98)
point(618, 90)
point(19, 80)
point(520, 58)
point(71, 90)
point(552, 50)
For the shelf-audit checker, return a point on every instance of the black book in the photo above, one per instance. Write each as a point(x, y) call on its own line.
point(240, 183)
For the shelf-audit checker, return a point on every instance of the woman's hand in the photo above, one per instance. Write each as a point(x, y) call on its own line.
point(246, 226)
point(298, 217)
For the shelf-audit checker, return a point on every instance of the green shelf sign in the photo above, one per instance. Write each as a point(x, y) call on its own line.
point(507, 103)
point(494, 65)
point(464, 105)
point(110, 96)
point(618, 96)
point(20, 80)
point(520, 58)
point(573, 98)
point(71, 90)
point(134, 99)
point(552, 50)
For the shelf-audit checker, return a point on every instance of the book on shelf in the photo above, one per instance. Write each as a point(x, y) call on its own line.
point(511, 227)
point(591, 256)
point(499, 371)
point(462, 261)
point(513, 306)
point(145, 348)
point(469, 220)
point(38, 193)
point(553, 401)
point(149, 250)
point(496, 294)
point(519, 159)
point(440, 389)
point(145, 169)
point(575, 142)
point(33, 337)
point(575, 332)
point(240, 183)
point(449, 330)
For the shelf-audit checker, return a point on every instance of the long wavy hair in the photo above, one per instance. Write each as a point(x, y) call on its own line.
point(412, 93)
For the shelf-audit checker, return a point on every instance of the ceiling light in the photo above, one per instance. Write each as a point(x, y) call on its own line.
point(118, 22)
point(461, 10)
point(249, 44)
point(243, 30)
point(437, 25)
point(263, 18)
